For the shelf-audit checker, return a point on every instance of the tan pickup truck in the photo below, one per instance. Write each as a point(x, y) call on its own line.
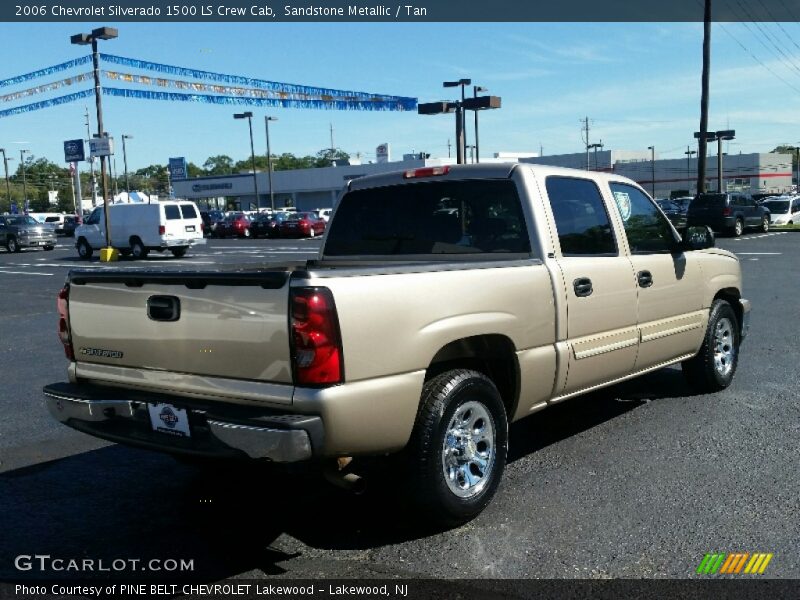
point(445, 303)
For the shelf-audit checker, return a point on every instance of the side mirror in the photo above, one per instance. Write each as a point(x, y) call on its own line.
point(696, 238)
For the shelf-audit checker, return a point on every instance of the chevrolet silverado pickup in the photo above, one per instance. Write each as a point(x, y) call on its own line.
point(445, 303)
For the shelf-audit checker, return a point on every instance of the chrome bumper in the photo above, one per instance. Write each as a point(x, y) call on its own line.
point(127, 421)
point(745, 304)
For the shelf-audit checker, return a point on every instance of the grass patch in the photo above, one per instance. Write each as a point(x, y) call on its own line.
point(793, 227)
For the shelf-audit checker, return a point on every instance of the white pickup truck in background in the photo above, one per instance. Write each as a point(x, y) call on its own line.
point(446, 302)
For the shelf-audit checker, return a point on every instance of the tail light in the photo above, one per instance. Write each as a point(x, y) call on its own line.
point(726, 212)
point(63, 322)
point(162, 230)
point(316, 341)
point(202, 226)
point(426, 172)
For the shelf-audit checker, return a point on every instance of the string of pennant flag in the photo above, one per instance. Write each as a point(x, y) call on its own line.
point(217, 88)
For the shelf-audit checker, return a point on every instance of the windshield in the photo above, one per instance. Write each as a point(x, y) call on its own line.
point(430, 217)
point(22, 221)
point(780, 207)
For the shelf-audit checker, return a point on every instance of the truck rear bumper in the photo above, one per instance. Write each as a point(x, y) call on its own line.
point(213, 430)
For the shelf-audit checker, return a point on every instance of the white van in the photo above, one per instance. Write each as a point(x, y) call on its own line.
point(783, 210)
point(136, 229)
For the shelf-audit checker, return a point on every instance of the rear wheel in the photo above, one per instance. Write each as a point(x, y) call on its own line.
point(84, 249)
point(246, 233)
point(48, 248)
point(738, 228)
point(138, 250)
point(713, 368)
point(765, 224)
point(13, 245)
point(457, 451)
point(178, 252)
point(311, 232)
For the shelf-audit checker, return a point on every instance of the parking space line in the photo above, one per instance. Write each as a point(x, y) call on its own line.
point(759, 253)
point(25, 273)
point(763, 235)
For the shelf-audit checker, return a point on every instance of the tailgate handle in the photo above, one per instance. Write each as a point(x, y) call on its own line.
point(164, 308)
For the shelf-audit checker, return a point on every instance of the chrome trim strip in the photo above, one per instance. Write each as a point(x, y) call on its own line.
point(607, 348)
point(667, 332)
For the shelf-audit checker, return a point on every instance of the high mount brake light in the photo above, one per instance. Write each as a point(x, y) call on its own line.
point(316, 342)
point(63, 322)
point(426, 172)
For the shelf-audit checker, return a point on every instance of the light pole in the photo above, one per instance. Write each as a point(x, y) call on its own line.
point(461, 135)
point(91, 161)
point(689, 152)
point(249, 116)
point(725, 134)
point(269, 162)
point(24, 182)
point(8, 185)
point(595, 147)
point(475, 90)
point(653, 169)
point(83, 39)
point(125, 161)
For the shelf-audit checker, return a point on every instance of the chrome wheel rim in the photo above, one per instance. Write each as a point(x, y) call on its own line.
point(724, 347)
point(765, 224)
point(739, 228)
point(468, 450)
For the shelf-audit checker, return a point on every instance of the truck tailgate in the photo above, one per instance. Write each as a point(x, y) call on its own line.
point(224, 324)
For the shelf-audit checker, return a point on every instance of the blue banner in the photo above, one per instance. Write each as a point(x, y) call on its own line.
point(46, 71)
point(46, 103)
point(376, 104)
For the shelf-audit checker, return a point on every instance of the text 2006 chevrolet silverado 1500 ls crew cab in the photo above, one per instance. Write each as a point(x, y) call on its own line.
point(445, 303)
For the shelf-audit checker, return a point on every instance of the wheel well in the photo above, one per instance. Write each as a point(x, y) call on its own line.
point(731, 296)
point(493, 355)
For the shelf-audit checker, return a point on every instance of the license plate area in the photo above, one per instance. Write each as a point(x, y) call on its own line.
point(190, 228)
point(168, 419)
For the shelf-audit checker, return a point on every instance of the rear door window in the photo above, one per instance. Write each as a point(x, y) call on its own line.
point(582, 222)
point(171, 212)
point(188, 211)
point(448, 218)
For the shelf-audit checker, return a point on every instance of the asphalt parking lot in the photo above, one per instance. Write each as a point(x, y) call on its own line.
point(638, 480)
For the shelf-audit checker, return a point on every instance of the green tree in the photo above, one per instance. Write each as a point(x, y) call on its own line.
point(221, 164)
point(327, 156)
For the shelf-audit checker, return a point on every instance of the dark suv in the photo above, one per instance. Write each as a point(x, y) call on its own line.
point(727, 213)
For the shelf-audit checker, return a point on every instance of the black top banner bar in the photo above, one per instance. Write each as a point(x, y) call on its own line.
point(270, 11)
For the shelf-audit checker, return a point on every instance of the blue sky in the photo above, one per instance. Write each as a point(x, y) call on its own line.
point(638, 83)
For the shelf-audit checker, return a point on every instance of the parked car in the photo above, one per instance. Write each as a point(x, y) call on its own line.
point(267, 225)
point(68, 225)
point(324, 214)
point(136, 229)
point(683, 202)
point(235, 224)
point(23, 231)
point(783, 210)
point(674, 212)
point(303, 224)
point(728, 213)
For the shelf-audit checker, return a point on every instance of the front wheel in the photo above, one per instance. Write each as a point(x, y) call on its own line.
point(48, 248)
point(765, 224)
point(13, 245)
point(457, 450)
point(713, 368)
point(138, 250)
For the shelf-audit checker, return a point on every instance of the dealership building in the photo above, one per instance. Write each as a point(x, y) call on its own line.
point(308, 189)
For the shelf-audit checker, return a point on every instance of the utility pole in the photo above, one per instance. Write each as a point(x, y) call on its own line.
point(448, 147)
point(24, 182)
point(269, 162)
point(702, 138)
point(585, 129)
point(652, 170)
point(595, 147)
point(8, 185)
point(333, 148)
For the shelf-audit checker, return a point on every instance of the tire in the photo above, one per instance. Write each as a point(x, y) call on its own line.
point(311, 232)
point(48, 248)
point(453, 476)
point(738, 228)
point(125, 252)
point(712, 369)
point(12, 245)
point(178, 252)
point(765, 224)
point(246, 233)
point(138, 251)
point(84, 249)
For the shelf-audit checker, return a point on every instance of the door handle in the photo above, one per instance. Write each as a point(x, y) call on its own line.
point(582, 287)
point(164, 308)
point(645, 278)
